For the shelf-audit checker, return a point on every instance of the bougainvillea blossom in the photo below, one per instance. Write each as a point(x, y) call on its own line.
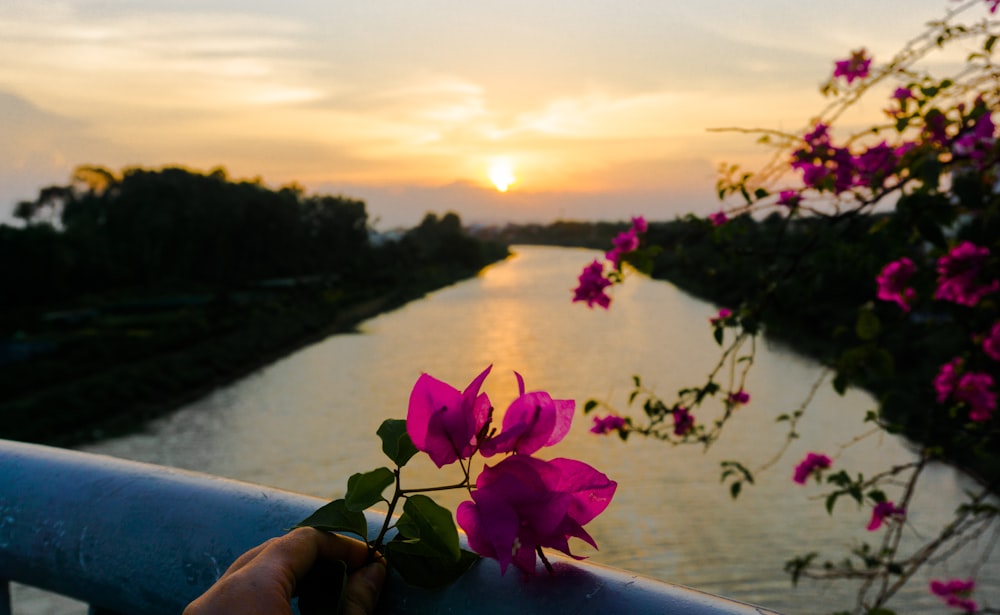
point(718, 218)
point(812, 464)
point(959, 275)
point(855, 67)
point(882, 512)
point(723, 315)
point(607, 424)
point(823, 166)
point(532, 421)
point(874, 165)
point(523, 503)
point(443, 422)
point(789, 198)
point(991, 343)
point(683, 421)
point(975, 389)
point(979, 141)
point(947, 379)
point(955, 593)
point(893, 283)
point(739, 398)
point(592, 286)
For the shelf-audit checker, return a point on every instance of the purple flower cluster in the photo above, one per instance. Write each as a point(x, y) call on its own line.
point(607, 424)
point(811, 465)
point(955, 593)
point(592, 286)
point(826, 167)
point(893, 283)
point(991, 342)
point(959, 275)
point(683, 421)
point(593, 282)
point(521, 503)
point(855, 67)
point(971, 388)
point(977, 143)
point(739, 398)
point(883, 512)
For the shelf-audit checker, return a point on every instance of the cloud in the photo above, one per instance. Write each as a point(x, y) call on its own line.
point(41, 148)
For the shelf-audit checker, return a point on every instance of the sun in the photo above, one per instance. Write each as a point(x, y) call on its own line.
point(502, 174)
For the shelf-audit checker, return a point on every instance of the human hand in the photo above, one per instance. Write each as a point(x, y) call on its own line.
point(264, 579)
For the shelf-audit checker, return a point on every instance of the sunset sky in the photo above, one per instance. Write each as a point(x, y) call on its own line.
point(595, 109)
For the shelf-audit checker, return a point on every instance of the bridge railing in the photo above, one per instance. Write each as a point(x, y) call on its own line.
point(128, 537)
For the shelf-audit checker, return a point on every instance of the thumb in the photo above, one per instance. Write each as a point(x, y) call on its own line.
point(363, 588)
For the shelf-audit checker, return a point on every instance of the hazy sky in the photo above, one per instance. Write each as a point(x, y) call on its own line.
point(599, 108)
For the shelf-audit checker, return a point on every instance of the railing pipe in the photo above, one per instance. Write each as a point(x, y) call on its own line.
point(129, 537)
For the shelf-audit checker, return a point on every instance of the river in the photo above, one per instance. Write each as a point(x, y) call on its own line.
point(308, 421)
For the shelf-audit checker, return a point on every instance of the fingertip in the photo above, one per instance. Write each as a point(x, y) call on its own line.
point(363, 589)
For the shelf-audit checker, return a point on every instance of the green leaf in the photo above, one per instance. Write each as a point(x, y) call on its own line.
point(868, 325)
point(396, 443)
point(421, 567)
point(831, 500)
point(877, 495)
point(321, 590)
point(589, 406)
point(718, 333)
point(335, 517)
point(425, 521)
point(365, 490)
point(988, 46)
point(734, 489)
point(840, 383)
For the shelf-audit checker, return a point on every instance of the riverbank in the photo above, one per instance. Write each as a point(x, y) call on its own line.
point(113, 372)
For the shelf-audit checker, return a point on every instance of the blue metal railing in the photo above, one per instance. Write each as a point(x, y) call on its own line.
point(129, 537)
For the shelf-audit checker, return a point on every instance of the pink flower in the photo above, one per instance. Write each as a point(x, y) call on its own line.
point(901, 95)
point(523, 503)
point(974, 389)
point(683, 421)
point(854, 67)
point(789, 198)
point(739, 398)
point(955, 593)
point(820, 135)
point(625, 242)
point(991, 343)
point(639, 224)
point(532, 421)
point(812, 464)
point(893, 283)
point(947, 379)
point(958, 275)
point(722, 316)
point(993, 5)
point(979, 141)
point(882, 512)
point(443, 422)
point(607, 424)
point(718, 218)
point(823, 166)
point(875, 165)
point(592, 285)
point(905, 93)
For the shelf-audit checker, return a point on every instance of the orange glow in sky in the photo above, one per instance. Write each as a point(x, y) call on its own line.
point(604, 107)
point(502, 174)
